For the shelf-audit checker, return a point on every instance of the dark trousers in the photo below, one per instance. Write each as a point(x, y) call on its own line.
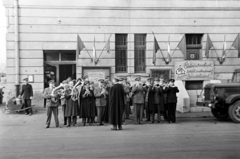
point(100, 113)
point(147, 112)
point(138, 111)
point(64, 116)
point(172, 112)
point(27, 104)
point(157, 108)
point(72, 120)
point(127, 110)
point(165, 113)
point(54, 111)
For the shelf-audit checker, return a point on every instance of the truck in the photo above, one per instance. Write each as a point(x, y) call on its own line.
point(224, 98)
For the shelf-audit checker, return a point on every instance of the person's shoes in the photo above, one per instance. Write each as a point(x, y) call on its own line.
point(65, 124)
point(152, 122)
point(58, 126)
point(84, 124)
point(47, 126)
point(30, 114)
point(120, 128)
point(68, 125)
point(114, 129)
point(26, 113)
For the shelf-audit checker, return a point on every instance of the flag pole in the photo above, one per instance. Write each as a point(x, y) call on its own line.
point(89, 54)
point(103, 49)
point(177, 46)
point(215, 51)
point(232, 45)
point(159, 47)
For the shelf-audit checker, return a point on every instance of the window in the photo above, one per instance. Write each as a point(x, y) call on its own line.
point(68, 55)
point(140, 53)
point(51, 55)
point(194, 85)
point(158, 72)
point(121, 53)
point(56, 55)
point(194, 45)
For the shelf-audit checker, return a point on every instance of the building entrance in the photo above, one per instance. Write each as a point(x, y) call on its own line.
point(59, 65)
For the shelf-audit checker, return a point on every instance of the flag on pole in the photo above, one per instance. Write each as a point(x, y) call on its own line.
point(80, 45)
point(182, 46)
point(209, 45)
point(224, 48)
point(236, 44)
point(169, 50)
point(155, 49)
point(94, 50)
point(107, 45)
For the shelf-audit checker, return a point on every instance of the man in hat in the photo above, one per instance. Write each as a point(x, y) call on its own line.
point(138, 100)
point(27, 95)
point(100, 93)
point(116, 103)
point(52, 103)
point(155, 93)
point(171, 91)
point(126, 91)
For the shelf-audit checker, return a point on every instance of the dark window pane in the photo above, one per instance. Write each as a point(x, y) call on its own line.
point(139, 52)
point(193, 85)
point(121, 52)
point(68, 55)
point(51, 55)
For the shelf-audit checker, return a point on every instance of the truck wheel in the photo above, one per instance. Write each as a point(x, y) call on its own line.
point(234, 112)
point(220, 114)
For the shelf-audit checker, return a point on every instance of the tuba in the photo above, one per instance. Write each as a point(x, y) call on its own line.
point(56, 92)
point(75, 92)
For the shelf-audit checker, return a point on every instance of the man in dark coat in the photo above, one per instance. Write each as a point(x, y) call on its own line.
point(116, 104)
point(171, 91)
point(27, 95)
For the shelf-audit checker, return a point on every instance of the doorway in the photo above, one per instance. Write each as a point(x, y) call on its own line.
point(59, 65)
point(66, 71)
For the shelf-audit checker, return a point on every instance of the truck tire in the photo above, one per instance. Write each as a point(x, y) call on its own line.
point(220, 114)
point(234, 112)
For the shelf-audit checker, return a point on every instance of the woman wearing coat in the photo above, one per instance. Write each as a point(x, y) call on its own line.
point(138, 100)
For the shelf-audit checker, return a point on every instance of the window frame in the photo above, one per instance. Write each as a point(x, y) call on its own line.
point(119, 51)
point(143, 51)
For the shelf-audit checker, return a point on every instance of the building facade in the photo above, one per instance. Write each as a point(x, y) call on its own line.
point(47, 39)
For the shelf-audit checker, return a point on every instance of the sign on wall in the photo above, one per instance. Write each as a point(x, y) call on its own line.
point(96, 73)
point(194, 70)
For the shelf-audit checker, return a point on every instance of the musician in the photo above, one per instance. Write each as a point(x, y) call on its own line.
point(52, 103)
point(148, 84)
point(71, 104)
point(171, 91)
point(161, 100)
point(138, 91)
point(100, 94)
point(86, 102)
point(63, 99)
point(27, 95)
point(93, 108)
point(126, 92)
point(106, 111)
point(154, 93)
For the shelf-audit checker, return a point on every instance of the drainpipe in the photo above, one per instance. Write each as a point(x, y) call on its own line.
point(17, 85)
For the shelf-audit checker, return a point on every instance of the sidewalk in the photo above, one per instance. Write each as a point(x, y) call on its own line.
point(205, 114)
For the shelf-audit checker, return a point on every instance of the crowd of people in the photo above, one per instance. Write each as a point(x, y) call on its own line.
point(111, 101)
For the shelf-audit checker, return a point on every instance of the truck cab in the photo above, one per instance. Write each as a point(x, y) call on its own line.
point(224, 98)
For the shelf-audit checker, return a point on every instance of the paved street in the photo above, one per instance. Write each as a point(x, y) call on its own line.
point(26, 137)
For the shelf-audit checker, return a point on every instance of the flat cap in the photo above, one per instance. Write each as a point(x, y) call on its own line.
point(171, 80)
point(138, 79)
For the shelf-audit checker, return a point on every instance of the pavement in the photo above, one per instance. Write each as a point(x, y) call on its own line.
point(193, 136)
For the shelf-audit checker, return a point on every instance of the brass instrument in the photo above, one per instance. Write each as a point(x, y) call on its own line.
point(75, 92)
point(57, 91)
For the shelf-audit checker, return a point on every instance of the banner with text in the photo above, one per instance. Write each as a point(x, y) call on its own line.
point(194, 70)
